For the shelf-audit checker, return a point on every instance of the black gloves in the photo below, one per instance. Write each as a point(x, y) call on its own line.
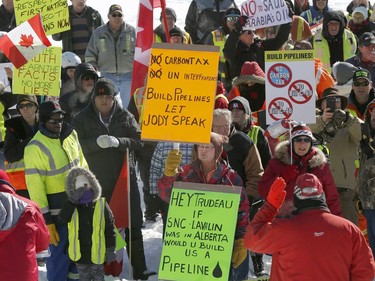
point(240, 23)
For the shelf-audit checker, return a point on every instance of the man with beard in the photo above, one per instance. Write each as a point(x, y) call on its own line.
point(365, 57)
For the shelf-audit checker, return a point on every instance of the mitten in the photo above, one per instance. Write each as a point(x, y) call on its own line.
point(339, 118)
point(241, 22)
point(105, 141)
point(172, 163)
point(289, 173)
point(239, 253)
point(54, 237)
point(110, 255)
point(277, 194)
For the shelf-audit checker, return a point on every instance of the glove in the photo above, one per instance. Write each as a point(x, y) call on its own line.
point(277, 194)
point(110, 255)
point(172, 163)
point(289, 4)
point(239, 253)
point(154, 203)
point(105, 141)
point(54, 237)
point(289, 173)
point(241, 22)
point(339, 118)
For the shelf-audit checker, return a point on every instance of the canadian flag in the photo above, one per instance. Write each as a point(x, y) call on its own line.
point(25, 41)
point(144, 40)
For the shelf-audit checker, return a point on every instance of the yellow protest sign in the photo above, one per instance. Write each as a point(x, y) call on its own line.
point(54, 13)
point(180, 93)
point(41, 75)
point(198, 243)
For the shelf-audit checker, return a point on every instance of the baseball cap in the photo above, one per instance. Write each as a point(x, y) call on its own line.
point(115, 8)
point(104, 86)
point(366, 39)
point(362, 74)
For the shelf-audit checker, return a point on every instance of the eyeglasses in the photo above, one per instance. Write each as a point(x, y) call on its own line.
point(205, 147)
point(232, 18)
point(299, 140)
point(116, 15)
point(25, 105)
point(55, 121)
point(358, 84)
point(88, 77)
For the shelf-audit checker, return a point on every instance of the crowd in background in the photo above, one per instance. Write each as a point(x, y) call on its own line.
point(308, 195)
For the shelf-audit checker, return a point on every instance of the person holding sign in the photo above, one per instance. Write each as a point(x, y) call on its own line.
point(293, 158)
point(243, 45)
point(208, 168)
point(313, 244)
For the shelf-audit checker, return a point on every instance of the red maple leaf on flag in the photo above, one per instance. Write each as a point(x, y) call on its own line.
point(27, 41)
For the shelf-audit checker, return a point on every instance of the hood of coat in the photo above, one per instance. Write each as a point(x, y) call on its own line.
point(11, 210)
point(70, 183)
point(334, 16)
point(282, 153)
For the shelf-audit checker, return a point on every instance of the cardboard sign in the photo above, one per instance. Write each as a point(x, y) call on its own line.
point(198, 242)
point(41, 75)
point(54, 13)
point(290, 86)
point(264, 13)
point(180, 93)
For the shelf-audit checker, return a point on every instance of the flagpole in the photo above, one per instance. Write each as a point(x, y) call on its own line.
point(164, 16)
point(129, 216)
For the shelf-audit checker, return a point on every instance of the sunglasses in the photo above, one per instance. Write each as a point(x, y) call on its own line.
point(299, 140)
point(358, 84)
point(25, 105)
point(116, 15)
point(232, 18)
point(55, 121)
point(88, 77)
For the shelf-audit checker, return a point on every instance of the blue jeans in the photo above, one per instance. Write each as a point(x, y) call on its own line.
point(240, 273)
point(370, 219)
point(122, 84)
point(59, 266)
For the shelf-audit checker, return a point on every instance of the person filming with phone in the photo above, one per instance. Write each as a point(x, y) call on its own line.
point(342, 133)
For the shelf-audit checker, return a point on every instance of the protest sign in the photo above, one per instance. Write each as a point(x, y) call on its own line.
point(290, 86)
point(54, 13)
point(264, 13)
point(41, 75)
point(180, 93)
point(198, 243)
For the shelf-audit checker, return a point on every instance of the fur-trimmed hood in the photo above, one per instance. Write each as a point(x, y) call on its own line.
point(283, 154)
point(71, 180)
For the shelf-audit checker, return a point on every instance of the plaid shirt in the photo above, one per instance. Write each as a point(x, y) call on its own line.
point(158, 161)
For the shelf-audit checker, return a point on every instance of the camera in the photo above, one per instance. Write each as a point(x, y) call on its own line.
point(331, 103)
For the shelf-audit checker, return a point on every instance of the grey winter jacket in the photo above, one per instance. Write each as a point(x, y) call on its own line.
point(109, 56)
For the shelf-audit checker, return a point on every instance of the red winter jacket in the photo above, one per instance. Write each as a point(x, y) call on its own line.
point(23, 233)
point(314, 162)
point(312, 245)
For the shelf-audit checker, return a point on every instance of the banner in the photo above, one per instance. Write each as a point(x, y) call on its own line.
point(180, 93)
point(54, 13)
point(41, 75)
point(198, 242)
point(290, 86)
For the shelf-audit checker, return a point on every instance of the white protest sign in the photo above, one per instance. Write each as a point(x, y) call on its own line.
point(264, 13)
point(290, 86)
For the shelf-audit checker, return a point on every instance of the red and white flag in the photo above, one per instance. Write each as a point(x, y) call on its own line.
point(144, 40)
point(25, 42)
